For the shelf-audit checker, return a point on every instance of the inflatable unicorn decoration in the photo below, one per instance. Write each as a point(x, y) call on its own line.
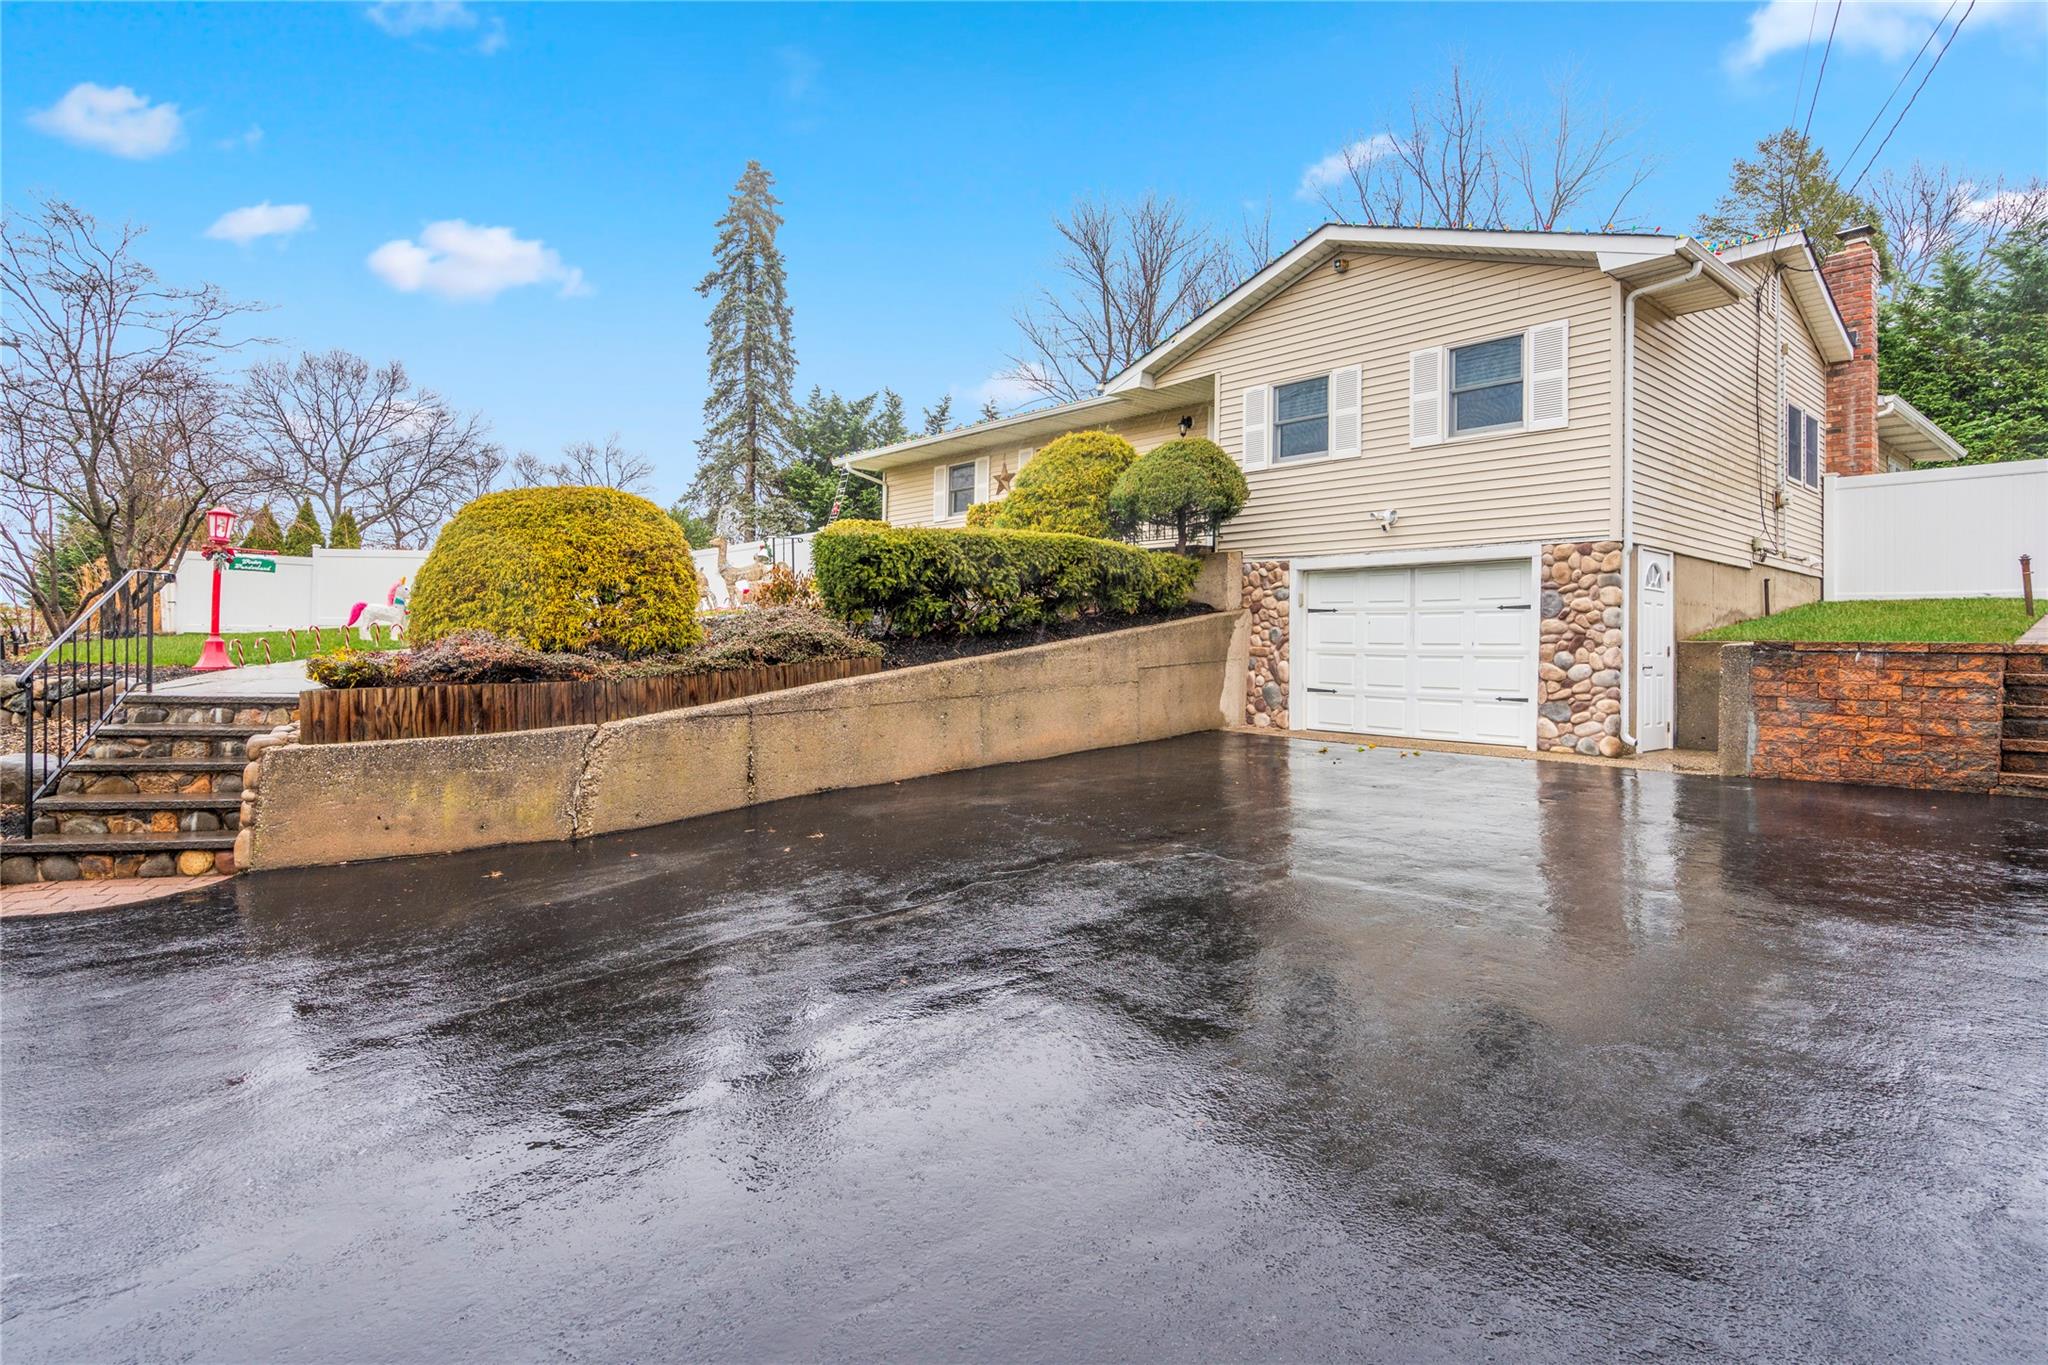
point(391, 612)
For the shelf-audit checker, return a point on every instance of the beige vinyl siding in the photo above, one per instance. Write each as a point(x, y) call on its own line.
point(910, 486)
point(1710, 429)
point(1555, 484)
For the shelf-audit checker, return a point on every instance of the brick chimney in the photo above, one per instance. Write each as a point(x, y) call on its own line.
point(1851, 276)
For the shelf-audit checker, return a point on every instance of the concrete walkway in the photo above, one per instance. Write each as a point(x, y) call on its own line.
point(2037, 634)
point(60, 898)
point(249, 681)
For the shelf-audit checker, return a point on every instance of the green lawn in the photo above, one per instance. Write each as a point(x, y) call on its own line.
point(1928, 620)
point(179, 651)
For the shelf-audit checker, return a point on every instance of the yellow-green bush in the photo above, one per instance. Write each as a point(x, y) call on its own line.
point(903, 580)
point(1065, 486)
point(561, 569)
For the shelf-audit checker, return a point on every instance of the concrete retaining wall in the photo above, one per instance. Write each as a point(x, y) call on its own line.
point(331, 803)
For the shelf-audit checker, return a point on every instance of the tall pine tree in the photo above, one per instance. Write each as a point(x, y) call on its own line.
point(1788, 186)
point(748, 415)
point(303, 535)
point(939, 416)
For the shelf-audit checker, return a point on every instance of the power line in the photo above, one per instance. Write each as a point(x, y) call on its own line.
point(1868, 128)
point(1823, 74)
point(1805, 56)
point(1914, 96)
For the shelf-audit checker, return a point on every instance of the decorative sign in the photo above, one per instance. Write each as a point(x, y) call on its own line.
point(253, 564)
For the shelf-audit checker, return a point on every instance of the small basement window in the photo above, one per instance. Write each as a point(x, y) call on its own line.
point(1486, 386)
point(1301, 419)
point(959, 489)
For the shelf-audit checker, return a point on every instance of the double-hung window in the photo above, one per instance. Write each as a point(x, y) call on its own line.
point(1802, 447)
point(1301, 419)
point(1486, 386)
point(959, 489)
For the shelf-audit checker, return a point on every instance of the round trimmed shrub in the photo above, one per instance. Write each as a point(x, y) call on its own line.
point(1065, 487)
point(1189, 486)
point(561, 569)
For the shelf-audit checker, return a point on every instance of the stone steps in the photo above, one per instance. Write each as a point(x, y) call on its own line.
point(158, 792)
point(2022, 784)
point(2023, 745)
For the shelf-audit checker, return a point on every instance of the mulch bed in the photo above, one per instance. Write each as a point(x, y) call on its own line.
point(929, 650)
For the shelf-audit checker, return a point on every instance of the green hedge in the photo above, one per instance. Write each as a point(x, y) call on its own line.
point(561, 569)
point(926, 581)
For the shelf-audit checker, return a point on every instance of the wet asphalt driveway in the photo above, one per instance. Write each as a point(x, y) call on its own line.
point(1217, 1048)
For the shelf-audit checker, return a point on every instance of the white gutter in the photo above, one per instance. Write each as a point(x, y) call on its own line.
point(1628, 487)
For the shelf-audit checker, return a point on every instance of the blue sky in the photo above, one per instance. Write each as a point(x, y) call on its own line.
point(922, 152)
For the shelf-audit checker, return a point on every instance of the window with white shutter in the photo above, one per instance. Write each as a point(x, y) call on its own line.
point(1426, 396)
point(1257, 428)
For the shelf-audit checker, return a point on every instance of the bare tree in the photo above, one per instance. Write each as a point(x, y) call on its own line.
point(1128, 278)
point(347, 434)
point(587, 464)
point(1927, 213)
point(1444, 164)
point(110, 408)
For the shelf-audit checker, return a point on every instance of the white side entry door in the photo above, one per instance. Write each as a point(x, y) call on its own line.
point(1654, 688)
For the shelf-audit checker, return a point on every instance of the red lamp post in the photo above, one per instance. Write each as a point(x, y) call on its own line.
point(220, 524)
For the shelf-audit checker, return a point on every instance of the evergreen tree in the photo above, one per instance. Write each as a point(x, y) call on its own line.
point(989, 411)
point(1970, 348)
point(828, 427)
point(747, 413)
point(1789, 186)
point(698, 530)
point(263, 533)
point(889, 425)
point(304, 533)
point(345, 534)
point(939, 415)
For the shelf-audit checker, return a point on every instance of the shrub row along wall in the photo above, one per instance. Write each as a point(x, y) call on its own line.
point(1905, 715)
point(330, 803)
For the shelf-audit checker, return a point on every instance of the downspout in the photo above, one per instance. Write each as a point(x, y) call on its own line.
point(874, 479)
point(1628, 489)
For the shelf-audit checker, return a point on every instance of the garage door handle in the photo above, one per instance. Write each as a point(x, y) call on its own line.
point(1319, 611)
point(1331, 690)
point(1517, 606)
point(1511, 699)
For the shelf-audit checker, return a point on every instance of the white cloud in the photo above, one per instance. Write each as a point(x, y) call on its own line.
point(412, 18)
point(243, 226)
point(799, 72)
point(1336, 167)
point(458, 260)
point(1891, 29)
point(1011, 393)
point(248, 140)
point(113, 120)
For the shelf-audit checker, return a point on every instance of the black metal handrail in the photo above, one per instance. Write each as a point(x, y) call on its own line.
point(107, 649)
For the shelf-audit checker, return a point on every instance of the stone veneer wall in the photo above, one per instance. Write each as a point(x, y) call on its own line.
point(1580, 668)
point(1266, 596)
point(1900, 715)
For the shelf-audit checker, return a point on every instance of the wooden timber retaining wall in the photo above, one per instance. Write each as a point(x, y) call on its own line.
point(351, 715)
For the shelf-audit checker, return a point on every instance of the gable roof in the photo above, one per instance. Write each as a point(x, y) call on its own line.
point(1806, 285)
point(1634, 258)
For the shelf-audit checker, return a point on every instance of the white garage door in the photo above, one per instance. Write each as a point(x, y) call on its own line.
point(1441, 651)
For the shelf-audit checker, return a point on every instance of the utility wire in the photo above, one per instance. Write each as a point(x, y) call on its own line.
point(1898, 85)
point(1805, 56)
point(1823, 75)
point(1914, 96)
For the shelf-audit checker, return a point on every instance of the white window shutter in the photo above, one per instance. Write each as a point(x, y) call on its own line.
point(1426, 396)
point(981, 479)
point(1344, 410)
point(1258, 427)
point(941, 504)
point(1546, 390)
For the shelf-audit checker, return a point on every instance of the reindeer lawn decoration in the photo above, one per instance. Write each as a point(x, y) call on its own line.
point(734, 575)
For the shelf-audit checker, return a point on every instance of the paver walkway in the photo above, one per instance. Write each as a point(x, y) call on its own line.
point(60, 898)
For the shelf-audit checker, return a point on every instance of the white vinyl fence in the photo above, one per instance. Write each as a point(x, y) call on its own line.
point(795, 551)
point(294, 592)
point(1936, 532)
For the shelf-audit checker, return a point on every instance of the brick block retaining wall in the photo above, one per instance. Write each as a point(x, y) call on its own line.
point(1906, 715)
